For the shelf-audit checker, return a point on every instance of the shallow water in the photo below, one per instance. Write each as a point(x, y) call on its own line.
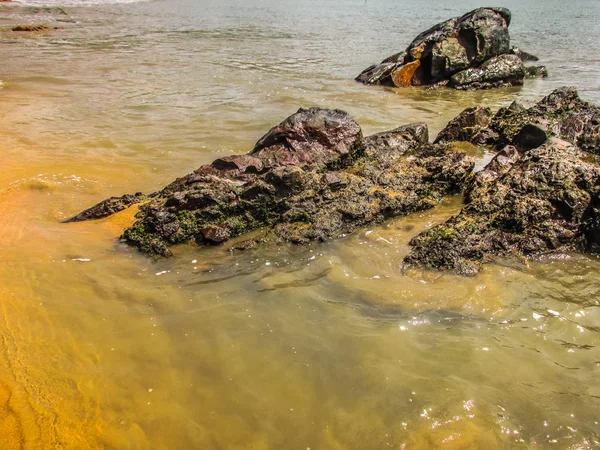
point(330, 346)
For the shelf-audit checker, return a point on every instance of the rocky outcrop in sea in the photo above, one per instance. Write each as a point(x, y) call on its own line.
point(468, 52)
point(540, 193)
point(315, 177)
point(312, 177)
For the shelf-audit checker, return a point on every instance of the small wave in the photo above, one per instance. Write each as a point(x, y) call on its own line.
point(47, 182)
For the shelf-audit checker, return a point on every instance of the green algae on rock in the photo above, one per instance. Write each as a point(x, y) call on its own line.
point(560, 114)
point(311, 178)
point(540, 195)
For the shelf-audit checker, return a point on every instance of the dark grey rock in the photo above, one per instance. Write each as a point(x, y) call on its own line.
point(108, 207)
point(379, 74)
point(503, 70)
point(523, 55)
point(468, 52)
point(530, 136)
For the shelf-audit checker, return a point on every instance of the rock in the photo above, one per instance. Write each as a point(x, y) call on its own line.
point(592, 228)
point(456, 44)
point(530, 137)
point(382, 72)
point(108, 207)
point(46, 10)
point(540, 193)
point(561, 114)
point(379, 74)
point(504, 70)
point(335, 180)
point(461, 45)
point(34, 28)
point(466, 126)
point(314, 136)
point(523, 55)
point(541, 202)
point(498, 166)
point(214, 234)
point(398, 58)
point(318, 178)
point(239, 164)
point(536, 72)
point(398, 141)
point(503, 161)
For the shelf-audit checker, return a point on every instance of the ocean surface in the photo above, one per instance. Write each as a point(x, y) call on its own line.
point(329, 346)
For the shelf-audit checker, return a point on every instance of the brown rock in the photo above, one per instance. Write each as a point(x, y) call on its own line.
point(215, 234)
point(529, 204)
point(239, 163)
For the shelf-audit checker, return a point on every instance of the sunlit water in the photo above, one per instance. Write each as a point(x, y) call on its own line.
point(330, 346)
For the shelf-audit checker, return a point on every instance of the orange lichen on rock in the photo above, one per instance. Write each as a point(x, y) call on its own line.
point(403, 76)
point(417, 52)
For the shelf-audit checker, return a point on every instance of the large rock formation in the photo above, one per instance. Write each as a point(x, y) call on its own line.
point(315, 177)
point(312, 177)
point(540, 193)
point(468, 52)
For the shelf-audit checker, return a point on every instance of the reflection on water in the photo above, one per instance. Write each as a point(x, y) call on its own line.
point(330, 346)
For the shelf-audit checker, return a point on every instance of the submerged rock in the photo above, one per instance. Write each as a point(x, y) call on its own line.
point(313, 177)
point(469, 52)
point(536, 72)
point(540, 193)
point(523, 55)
